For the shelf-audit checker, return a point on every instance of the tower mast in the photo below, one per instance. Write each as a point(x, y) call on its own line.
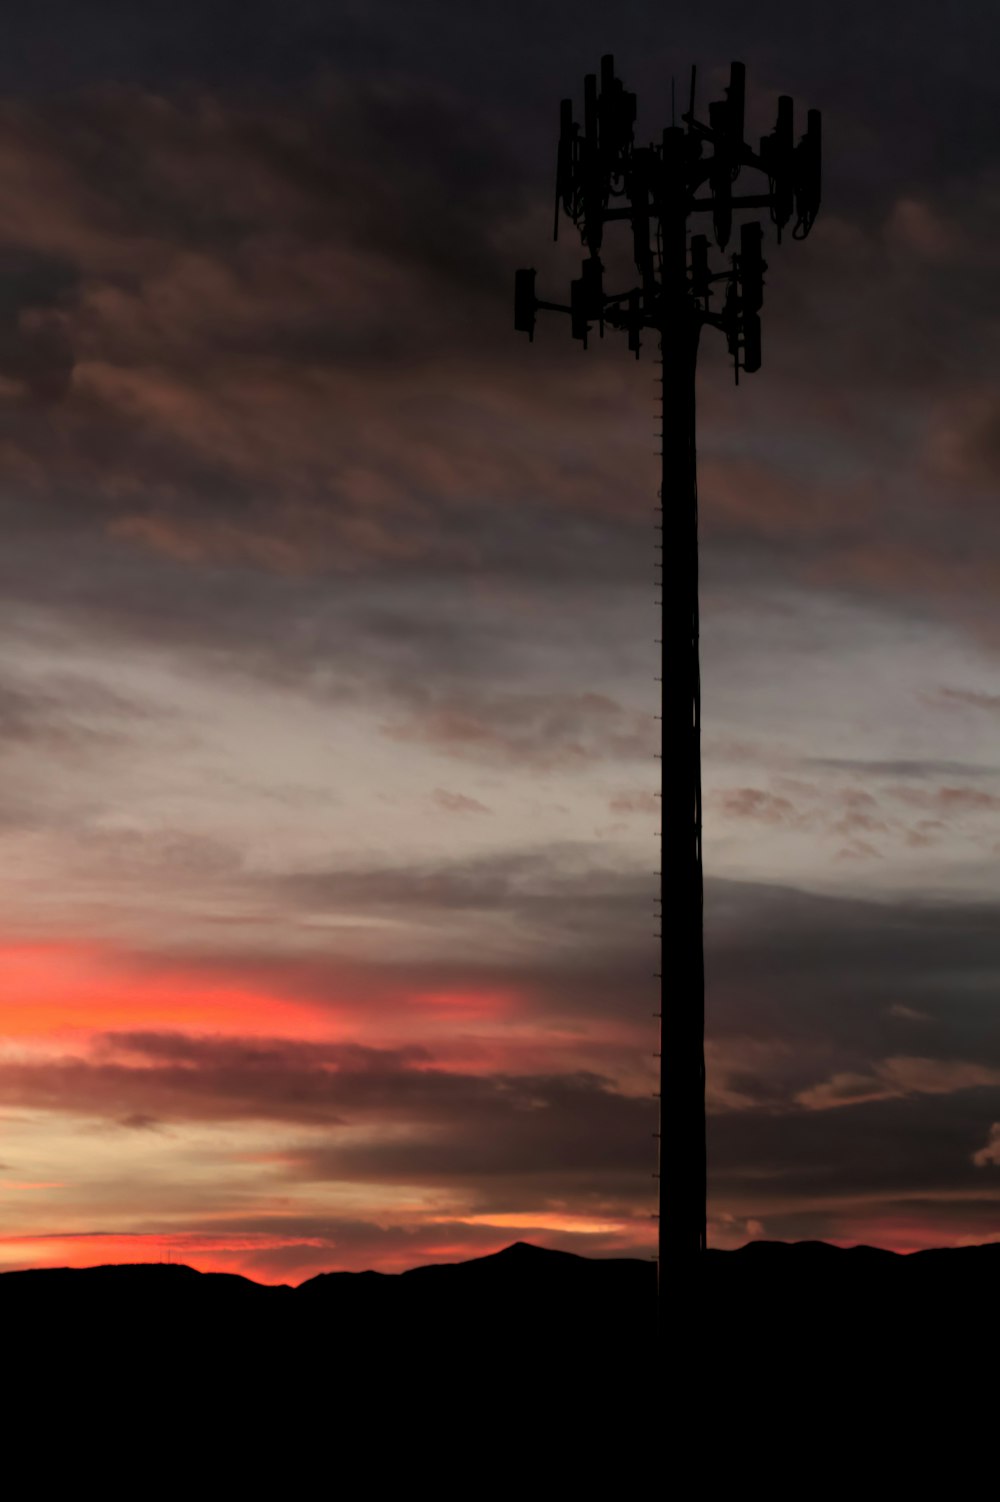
point(603, 176)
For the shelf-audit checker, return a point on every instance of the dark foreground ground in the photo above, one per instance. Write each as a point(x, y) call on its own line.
point(781, 1357)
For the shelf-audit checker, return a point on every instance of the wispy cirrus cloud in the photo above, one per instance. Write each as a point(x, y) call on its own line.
point(971, 697)
point(893, 1078)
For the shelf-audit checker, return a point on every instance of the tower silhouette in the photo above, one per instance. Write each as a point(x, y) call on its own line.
point(603, 176)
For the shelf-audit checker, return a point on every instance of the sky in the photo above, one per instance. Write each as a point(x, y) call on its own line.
point(328, 813)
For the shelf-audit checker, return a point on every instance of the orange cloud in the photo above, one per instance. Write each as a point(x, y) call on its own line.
point(50, 988)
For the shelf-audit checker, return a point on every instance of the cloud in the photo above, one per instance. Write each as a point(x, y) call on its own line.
point(232, 379)
point(893, 1171)
point(804, 985)
point(548, 731)
point(270, 424)
point(972, 697)
point(755, 803)
point(37, 296)
point(838, 811)
point(949, 800)
point(990, 1154)
point(966, 443)
point(225, 448)
point(559, 897)
point(66, 712)
point(231, 384)
point(806, 1133)
point(388, 1115)
point(893, 1078)
point(640, 802)
point(923, 231)
point(458, 803)
point(915, 767)
point(900, 1009)
point(858, 850)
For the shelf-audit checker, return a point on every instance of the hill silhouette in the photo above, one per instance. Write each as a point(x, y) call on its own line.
point(521, 1280)
point(541, 1332)
point(530, 1362)
point(780, 1300)
point(522, 1287)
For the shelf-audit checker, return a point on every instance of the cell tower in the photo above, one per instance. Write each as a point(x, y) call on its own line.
point(603, 176)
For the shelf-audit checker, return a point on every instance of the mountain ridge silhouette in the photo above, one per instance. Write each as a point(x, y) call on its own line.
point(527, 1258)
point(779, 1343)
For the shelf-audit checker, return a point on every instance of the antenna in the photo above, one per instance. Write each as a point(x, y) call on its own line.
point(564, 162)
point(663, 185)
point(524, 302)
point(807, 175)
point(736, 104)
point(777, 154)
